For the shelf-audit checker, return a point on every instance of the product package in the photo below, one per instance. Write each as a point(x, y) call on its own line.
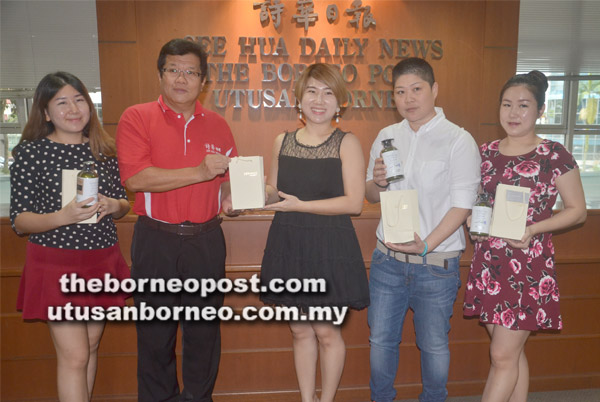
point(69, 190)
point(400, 215)
point(246, 175)
point(509, 216)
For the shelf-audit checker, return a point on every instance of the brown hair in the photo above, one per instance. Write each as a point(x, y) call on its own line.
point(37, 127)
point(327, 74)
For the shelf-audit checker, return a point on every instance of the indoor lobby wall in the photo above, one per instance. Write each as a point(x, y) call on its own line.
point(476, 52)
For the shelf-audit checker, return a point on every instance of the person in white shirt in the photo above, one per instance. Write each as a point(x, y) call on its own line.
point(441, 161)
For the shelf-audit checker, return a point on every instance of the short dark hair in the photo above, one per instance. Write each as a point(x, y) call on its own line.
point(180, 47)
point(535, 81)
point(414, 65)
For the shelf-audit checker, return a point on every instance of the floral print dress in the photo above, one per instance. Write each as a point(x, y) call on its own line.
point(517, 288)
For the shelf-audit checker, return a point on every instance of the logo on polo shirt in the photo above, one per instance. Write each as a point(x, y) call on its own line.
point(212, 149)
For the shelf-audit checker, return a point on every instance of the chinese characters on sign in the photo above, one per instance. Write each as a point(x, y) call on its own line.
point(268, 57)
point(274, 7)
point(357, 10)
point(332, 13)
point(307, 16)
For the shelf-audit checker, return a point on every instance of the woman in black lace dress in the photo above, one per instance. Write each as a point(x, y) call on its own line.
point(317, 180)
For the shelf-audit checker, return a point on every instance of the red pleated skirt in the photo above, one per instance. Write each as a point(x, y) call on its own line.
point(44, 266)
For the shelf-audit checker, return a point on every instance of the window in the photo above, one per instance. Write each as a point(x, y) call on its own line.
point(572, 117)
point(32, 46)
point(14, 115)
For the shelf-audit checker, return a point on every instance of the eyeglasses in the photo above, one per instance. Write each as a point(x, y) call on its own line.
point(173, 72)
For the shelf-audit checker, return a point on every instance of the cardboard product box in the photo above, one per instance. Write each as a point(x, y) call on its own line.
point(247, 178)
point(400, 215)
point(509, 216)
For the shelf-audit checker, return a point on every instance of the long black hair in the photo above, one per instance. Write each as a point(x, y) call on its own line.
point(37, 127)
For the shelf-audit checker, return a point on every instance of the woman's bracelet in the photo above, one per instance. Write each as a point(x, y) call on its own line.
point(386, 186)
point(426, 248)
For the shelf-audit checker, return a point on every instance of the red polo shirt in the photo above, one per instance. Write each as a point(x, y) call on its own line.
point(151, 134)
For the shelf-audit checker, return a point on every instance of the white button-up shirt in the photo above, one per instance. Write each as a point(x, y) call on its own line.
point(442, 162)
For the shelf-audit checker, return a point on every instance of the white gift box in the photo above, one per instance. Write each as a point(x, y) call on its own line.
point(509, 216)
point(247, 179)
point(400, 215)
point(69, 190)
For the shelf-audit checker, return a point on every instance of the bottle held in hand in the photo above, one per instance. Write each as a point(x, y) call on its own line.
point(392, 161)
point(481, 216)
point(87, 183)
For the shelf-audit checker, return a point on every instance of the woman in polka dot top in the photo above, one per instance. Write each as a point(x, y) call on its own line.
point(63, 131)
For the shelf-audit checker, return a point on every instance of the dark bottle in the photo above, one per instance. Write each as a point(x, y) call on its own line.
point(392, 161)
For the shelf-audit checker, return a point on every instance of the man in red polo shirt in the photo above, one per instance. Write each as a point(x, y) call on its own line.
point(174, 154)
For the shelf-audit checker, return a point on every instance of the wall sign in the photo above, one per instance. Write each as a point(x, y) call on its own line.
point(269, 57)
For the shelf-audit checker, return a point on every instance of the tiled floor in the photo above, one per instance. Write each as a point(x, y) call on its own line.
point(583, 395)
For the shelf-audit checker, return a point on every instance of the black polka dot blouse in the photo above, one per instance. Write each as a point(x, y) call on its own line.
point(36, 186)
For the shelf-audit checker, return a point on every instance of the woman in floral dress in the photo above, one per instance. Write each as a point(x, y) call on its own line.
point(512, 284)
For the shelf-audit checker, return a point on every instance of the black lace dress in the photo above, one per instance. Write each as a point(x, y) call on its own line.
point(303, 245)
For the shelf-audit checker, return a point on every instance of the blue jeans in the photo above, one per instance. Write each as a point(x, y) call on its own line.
point(430, 291)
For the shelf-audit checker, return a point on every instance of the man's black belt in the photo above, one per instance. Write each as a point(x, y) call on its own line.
point(181, 229)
